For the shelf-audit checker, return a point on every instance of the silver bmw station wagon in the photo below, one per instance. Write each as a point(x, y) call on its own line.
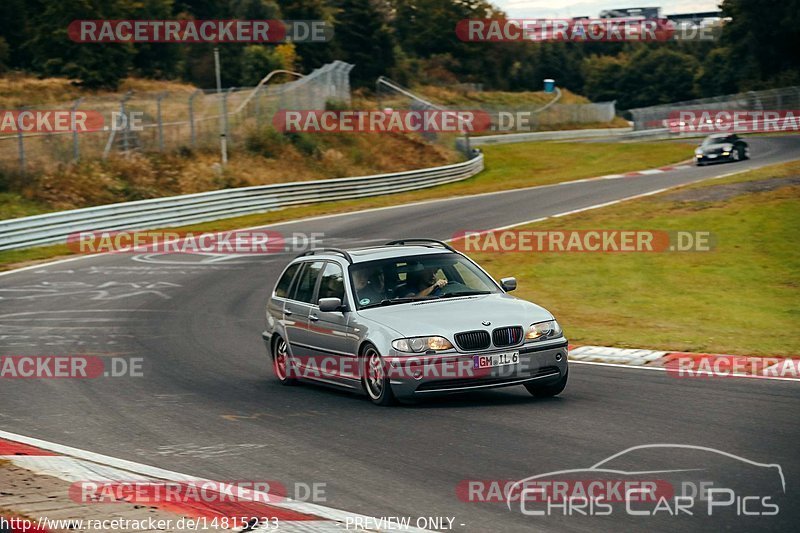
point(408, 319)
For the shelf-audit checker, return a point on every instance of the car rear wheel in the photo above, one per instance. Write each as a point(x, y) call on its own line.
point(546, 391)
point(374, 378)
point(280, 362)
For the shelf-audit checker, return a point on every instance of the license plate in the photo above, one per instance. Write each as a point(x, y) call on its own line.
point(495, 359)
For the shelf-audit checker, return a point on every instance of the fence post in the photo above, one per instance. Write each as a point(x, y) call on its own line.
point(76, 150)
point(127, 122)
point(21, 147)
point(160, 122)
point(223, 141)
point(225, 129)
point(191, 116)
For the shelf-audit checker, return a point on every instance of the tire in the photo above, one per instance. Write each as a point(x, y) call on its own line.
point(737, 154)
point(374, 379)
point(280, 362)
point(548, 391)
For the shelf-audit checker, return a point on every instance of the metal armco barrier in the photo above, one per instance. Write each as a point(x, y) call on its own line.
point(52, 228)
point(624, 134)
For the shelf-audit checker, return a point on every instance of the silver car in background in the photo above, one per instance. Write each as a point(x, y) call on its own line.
point(408, 319)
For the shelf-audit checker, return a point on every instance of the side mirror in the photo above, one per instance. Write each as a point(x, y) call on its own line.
point(329, 305)
point(508, 284)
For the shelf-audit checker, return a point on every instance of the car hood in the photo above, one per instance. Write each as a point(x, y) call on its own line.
point(448, 316)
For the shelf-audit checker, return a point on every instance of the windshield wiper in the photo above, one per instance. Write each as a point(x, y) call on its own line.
point(464, 293)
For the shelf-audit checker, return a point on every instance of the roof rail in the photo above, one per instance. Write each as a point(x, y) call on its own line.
point(328, 251)
point(429, 241)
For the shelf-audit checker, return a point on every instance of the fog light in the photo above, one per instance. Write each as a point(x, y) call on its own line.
point(559, 356)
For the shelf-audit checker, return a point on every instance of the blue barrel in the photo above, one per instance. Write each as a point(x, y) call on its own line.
point(549, 85)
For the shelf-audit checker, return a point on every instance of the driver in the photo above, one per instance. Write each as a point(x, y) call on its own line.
point(425, 283)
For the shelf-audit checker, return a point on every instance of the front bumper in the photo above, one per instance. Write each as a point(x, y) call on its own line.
point(430, 375)
point(703, 159)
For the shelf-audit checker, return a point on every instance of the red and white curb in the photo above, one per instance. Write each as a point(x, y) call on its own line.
point(635, 173)
point(690, 364)
point(75, 465)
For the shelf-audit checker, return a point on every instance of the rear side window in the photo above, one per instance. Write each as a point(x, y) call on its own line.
point(282, 288)
point(304, 290)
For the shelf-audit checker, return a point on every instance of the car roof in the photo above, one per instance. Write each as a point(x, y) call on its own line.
point(373, 253)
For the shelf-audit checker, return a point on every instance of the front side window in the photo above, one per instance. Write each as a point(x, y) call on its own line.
point(332, 284)
point(304, 290)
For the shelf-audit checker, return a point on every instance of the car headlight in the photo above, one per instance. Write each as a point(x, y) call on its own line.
point(727, 147)
point(421, 344)
point(540, 331)
point(698, 151)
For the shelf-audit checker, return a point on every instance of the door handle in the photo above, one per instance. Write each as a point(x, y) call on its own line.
point(313, 317)
point(287, 312)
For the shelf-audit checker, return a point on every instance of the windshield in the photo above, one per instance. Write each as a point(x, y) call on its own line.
point(714, 139)
point(410, 278)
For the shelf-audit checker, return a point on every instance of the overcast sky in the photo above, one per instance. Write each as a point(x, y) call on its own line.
point(592, 8)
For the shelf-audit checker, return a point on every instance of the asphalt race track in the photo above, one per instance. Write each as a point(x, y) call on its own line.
point(207, 404)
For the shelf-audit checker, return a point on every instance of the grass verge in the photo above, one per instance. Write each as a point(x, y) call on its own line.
point(508, 166)
point(743, 297)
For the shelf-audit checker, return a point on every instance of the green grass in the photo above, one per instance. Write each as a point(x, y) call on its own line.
point(508, 166)
point(742, 298)
point(14, 206)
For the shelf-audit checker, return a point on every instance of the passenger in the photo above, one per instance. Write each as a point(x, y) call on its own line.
point(369, 286)
point(424, 283)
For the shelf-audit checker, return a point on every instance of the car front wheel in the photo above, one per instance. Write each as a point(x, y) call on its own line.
point(546, 391)
point(374, 378)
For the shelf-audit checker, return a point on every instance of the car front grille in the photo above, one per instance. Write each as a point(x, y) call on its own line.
point(509, 336)
point(473, 340)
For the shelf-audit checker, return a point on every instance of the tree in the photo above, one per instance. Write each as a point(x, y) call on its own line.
point(93, 64)
point(364, 40)
point(311, 55)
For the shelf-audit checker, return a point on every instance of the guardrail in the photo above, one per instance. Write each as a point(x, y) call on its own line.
point(617, 133)
point(504, 138)
point(54, 228)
